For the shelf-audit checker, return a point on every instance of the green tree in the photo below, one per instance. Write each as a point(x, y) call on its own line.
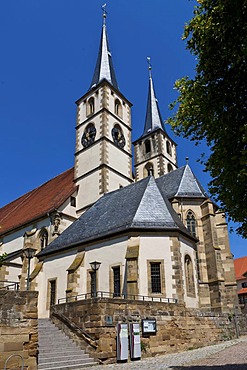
point(2, 256)
point(212, 106)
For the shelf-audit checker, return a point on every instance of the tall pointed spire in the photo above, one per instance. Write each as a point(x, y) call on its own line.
point(104, 67)
point(153, 117)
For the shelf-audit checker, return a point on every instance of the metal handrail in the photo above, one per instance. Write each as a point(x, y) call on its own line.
point(101, 294)
point(9, 285)
point(61, 317)
point(22, 360)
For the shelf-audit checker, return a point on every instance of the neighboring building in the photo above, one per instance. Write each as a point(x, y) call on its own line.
point(155, 235)
point(240, 265)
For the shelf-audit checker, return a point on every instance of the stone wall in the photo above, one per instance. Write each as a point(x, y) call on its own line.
point(18, 328)
point(178, 328)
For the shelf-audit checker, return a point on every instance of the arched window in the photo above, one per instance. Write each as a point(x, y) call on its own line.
point(191, 223)
point(168, 148)
point(189, 275)
point(147, 146)
point(43, 237)
point(118, 108)
point(90, 106)
point(169, 167)
point(148, 170)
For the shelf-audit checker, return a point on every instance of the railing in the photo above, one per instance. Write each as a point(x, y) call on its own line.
point(9, 285)
point(101, 294)
point(76, 329)
point(12, 356)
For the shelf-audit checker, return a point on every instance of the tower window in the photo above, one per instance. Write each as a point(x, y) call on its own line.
point(189, 276)
point(168, 148)
point(169, 167)
point(155, 277)
point(90, 106)
point(118, 108)
point(73, 201)
point(191, 223)
point(147, 146)
point(43, 237)
point(149, 170)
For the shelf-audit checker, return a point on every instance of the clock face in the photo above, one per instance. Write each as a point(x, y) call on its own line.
point(88, 136)
point(118, 137)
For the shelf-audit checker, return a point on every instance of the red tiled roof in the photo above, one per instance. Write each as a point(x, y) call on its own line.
point(242, 291)
point(240, 265)
point(38, 202)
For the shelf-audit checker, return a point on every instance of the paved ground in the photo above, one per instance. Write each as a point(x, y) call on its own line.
point(230, 355)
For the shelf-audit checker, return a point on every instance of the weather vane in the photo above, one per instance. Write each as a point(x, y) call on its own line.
point(104, 11)
point(149, 65)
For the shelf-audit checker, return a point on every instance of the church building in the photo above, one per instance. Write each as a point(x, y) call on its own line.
point(98, 229)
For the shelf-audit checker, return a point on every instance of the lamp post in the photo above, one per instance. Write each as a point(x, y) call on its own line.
point(29, 254)
point(94, 266)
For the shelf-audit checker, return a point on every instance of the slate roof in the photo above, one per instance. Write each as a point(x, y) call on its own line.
point(104, 67)
point(137, 206)
point(37, 202)
point(153, 119)
point(240, 266)
point(181, 183)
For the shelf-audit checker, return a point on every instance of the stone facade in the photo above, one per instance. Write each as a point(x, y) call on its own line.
point(19, 328)
point(178, 328)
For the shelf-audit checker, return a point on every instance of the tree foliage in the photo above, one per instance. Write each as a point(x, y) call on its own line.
point(2, 257)
point(213, 105)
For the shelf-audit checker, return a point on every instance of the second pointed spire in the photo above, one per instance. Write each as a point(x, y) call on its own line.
point(153, 119)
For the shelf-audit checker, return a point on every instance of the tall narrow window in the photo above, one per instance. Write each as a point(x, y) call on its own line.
point(147, 146)
point(116, 281)
point(189, 276)
point(52, 292)
point(148, 170)
point(168, 148)
point(169, 167)
point(118, 108)
point(155, 277)
point(90, 106)
point(93, 284)
point(43, 237)
point(191, 223)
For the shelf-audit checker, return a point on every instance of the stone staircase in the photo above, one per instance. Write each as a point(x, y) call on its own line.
point(57, 351)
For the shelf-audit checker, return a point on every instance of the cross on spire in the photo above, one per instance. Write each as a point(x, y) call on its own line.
point(149, 66)
point(104, 12)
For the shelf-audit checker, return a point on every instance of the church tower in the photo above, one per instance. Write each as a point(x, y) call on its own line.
point(103, 159)
point(155, 151)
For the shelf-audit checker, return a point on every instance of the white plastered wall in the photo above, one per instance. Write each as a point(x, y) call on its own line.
point(53, 268)
point(155, 248)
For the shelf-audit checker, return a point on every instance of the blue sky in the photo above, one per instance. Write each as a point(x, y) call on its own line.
point(48, 55)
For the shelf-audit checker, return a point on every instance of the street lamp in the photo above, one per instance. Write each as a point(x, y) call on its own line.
point(29, 254)
point(94, 266)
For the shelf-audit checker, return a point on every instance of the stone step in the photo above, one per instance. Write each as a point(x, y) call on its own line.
point(59, 341)
point(57, 351)
point(63, 363)
point(64, 358)
point(72, 367)
point(68, 349)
